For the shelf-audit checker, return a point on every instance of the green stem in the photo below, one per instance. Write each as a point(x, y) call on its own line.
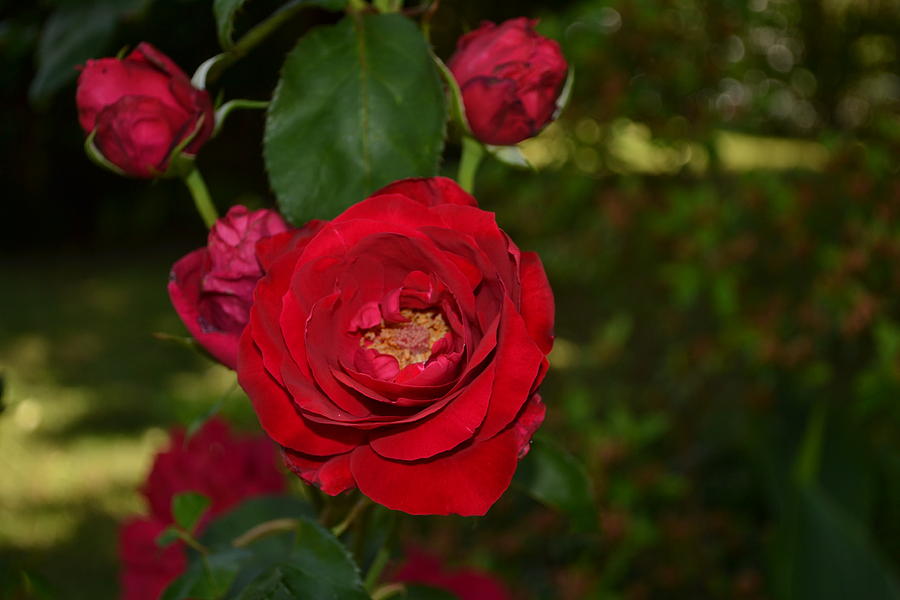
point(341, 527)
point(388, 591)
point(378, 565)
point(810, 454)
point(264, 529)
point(203, 202)
point(472, 153)
point(254, 37)
point(358, 5)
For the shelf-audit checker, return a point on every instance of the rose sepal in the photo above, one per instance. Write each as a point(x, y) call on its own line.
point(510, 155)
point(457, 108)
point(223, 111)
point(180, 163)
point(565, 94)
point(97, 157)
point(198, 79)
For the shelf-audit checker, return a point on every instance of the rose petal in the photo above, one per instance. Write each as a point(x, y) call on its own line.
point(184, 292)
point(430, 191)
point(466, 482)
point(331, 475)
point(279, 416)
point(537, 301)
point(456, 423)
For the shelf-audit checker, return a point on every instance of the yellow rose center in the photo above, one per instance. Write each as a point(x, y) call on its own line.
point(409, 342)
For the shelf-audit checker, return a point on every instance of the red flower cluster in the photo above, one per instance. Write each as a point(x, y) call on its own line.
point(510, 78)
point(399, 348)
point(212, 288)
point(213, 462)
point(142, 107)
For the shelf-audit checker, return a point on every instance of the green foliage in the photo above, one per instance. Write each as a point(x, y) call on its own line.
point(339, 124)
point(187, 508)
point(553, 476)
point(269, 547)
point(225, 12)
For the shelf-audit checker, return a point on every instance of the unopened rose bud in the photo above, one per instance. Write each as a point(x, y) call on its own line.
point(510, 78)
point(141, 109)
point(212, 288)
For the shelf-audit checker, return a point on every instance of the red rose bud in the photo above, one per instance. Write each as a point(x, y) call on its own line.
point(399, 350)
point(212, 288)
point(225, 468)
point(140, 109)
point(510, 78)
point(466, 584)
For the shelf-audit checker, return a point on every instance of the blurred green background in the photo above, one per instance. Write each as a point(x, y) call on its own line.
point(718, 213)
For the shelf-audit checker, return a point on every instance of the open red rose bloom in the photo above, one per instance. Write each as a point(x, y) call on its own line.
point(399, 350)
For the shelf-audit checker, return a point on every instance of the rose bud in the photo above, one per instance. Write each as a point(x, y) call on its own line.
point(510, 78)
point(399, 349)
point(215, 462)
point(139, 110)
point(464, 583)
point(212, 288)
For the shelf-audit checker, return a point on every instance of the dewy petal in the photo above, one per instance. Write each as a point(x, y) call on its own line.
point(466, 482)
point(537, 305)
point(443, 431)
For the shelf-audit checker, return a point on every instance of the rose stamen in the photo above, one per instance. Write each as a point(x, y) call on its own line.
point(409, 342)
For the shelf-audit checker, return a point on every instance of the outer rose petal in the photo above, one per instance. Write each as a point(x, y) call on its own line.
point(430, 191)
point(466, 482)
point(184, 290)
point(279, 416)
point(445, 430)
point(537, 301)
point(331, 475)
point(495, 113)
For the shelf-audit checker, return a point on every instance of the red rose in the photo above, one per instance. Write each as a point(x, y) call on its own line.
point(510, 78)
point(147, 569)
point(212, 288)
point(142, 107)
point(214, 462)
point(466, 584)
point(399, 350)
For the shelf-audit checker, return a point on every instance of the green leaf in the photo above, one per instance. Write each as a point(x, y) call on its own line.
point(187, 508)
point(553, 476)
point(318, 568)
point(822, 552)
point(225, 12)
point(168, 536)
point(286, 582)
point(359, 105)
point(225, 528)
point(73, 34)
point(208, 579)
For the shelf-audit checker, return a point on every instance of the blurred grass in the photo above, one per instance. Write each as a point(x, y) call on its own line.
point(89, 395)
